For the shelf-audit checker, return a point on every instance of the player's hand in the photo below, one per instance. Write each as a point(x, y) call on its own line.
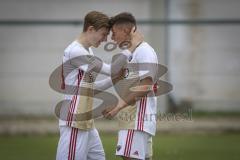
point(119, 76)
point(112, 113)
point(106, 111)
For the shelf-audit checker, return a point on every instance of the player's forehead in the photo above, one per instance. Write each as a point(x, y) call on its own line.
point(103, 30)
point(116, 27)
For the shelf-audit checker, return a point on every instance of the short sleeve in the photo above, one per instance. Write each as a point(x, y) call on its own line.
point(147, 61)
point(79, 58)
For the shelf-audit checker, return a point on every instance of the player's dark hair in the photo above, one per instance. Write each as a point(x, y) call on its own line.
point(123, 18)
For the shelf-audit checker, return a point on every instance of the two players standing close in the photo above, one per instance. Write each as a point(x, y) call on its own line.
point(79, 140)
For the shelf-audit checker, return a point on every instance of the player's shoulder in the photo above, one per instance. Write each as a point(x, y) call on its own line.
point(75, 48)
point(144, 50)
point(144, 46)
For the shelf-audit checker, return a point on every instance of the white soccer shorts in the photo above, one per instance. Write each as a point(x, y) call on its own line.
point(75, 144)
point(134, 144)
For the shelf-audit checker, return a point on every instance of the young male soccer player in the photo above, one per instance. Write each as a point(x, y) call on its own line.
point(79, 140)
point(135, 135)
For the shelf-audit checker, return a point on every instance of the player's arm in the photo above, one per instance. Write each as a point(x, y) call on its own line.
point(107, 82)
point(116, 65)
point(144, 86)
point(79, 58)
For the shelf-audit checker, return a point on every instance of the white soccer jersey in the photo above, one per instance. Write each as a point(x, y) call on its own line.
point(78, 78)
point(75, 75)
point(141, 116)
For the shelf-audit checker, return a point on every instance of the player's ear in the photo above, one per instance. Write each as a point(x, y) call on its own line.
point(91, 29)
point(127, 29)
point(134, 28)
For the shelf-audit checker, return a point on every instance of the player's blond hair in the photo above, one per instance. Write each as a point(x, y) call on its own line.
point(96, 19)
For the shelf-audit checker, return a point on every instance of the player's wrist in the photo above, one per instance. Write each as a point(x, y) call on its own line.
point(121, 104)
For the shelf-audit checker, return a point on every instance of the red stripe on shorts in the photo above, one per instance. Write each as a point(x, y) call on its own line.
point(130, 143)
point(125, 150)
point(72, 145)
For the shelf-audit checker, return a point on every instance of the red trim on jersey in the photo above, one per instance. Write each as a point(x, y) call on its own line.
point(72, 110)
point(155, 87)
point(139, 114)
point(74, 99)
point(69, 110)
point(144, 111)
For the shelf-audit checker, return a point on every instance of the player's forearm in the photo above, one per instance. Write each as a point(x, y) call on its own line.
point(141, 90)
point(115, 66)
point(106, 83)
point(118, 62)
point(131, 99)
point(106, 69)
point(93, 64)
point(103, 84)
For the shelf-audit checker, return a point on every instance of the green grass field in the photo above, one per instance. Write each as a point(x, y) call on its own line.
point(166, 147)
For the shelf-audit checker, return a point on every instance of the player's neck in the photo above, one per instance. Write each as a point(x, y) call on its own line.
point(84, 41)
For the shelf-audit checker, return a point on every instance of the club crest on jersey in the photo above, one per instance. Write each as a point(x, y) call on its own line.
point(126, 73)
point(130, 58)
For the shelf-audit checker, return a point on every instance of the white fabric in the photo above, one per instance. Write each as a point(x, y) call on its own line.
point(146, 54)
point(145, 118)
point(74, 50)
point(106, 69)
point(103, 84)
point(75, 144)
point(134, 144)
